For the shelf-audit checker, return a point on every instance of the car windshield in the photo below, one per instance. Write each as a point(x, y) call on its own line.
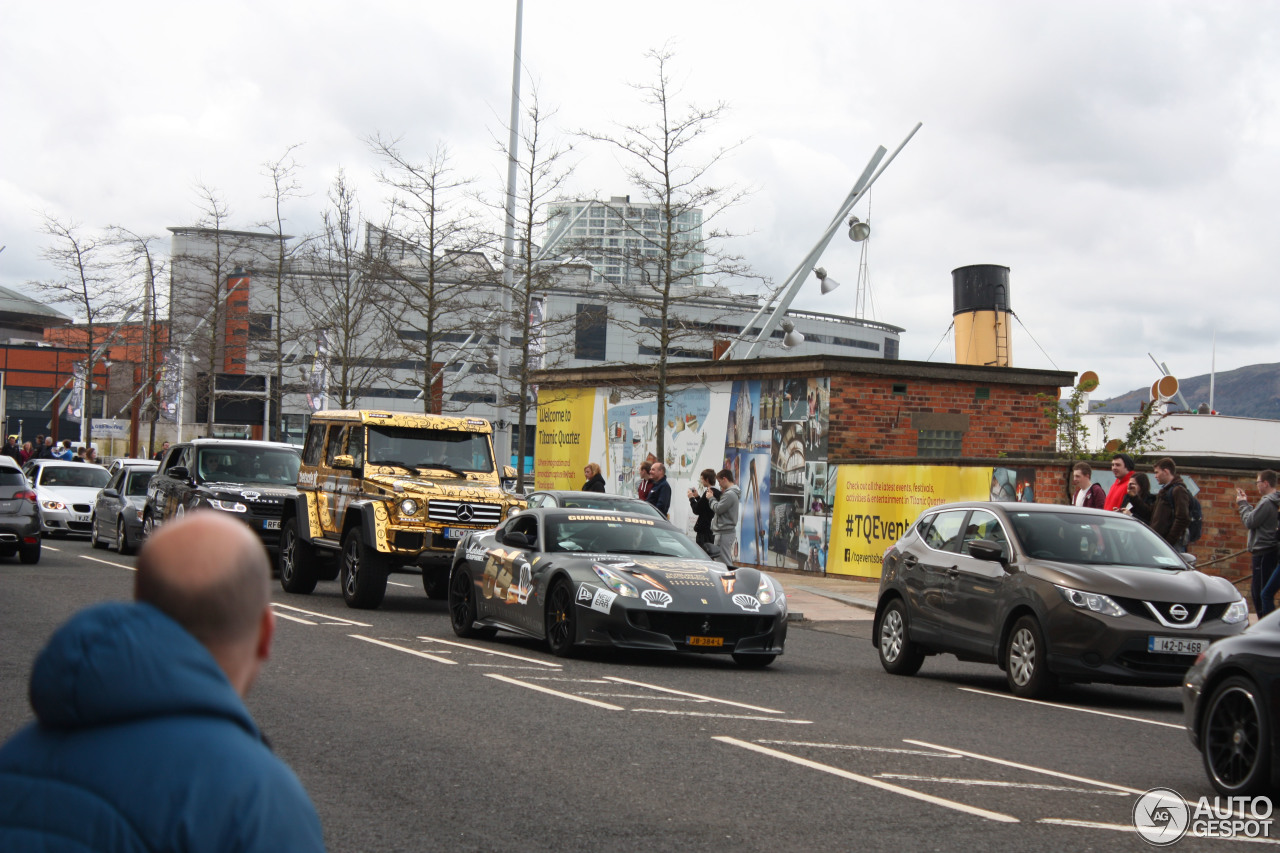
point(1093, 539)
point(136, 483)
point(75, 476)
point(248, 464)
point(451, 450)
point(619, 535)
point(615, 504)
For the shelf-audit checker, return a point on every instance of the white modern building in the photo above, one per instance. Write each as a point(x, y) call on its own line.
point(582, 324)
point(617, 236)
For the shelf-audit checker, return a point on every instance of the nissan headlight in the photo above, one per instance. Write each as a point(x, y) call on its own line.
point(227, 506)
point(1091, 601)
point(408, 506)
point(1237, 612)
point(615, 581)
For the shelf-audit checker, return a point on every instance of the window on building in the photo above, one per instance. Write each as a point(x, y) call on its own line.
point(891, 349)
point(938, 442)
point(591, 332)
point(260, 326)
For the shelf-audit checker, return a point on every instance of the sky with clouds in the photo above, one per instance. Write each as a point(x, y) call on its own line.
point(1121, 158)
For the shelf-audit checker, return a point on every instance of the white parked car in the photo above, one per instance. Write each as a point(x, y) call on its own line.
point(65, 494)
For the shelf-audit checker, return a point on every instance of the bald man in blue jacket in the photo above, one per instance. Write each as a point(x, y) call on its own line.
point(142, 740)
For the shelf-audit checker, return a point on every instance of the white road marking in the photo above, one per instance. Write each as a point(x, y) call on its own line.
point(1030, 767)
point(1128, 827)
point(297, 619)
point(1073, 708)
point(646, 698)
point(855, 747)
point(489, 651)
point(866, 780)
point(693, 695)
point(333, 620)
point(720, 716)
point(555, 678)
point(405, 585)
point(551, 692)
point(993, 783)
point(407, 651)
point(104, 562)
point(51, 548)
point(502, 665)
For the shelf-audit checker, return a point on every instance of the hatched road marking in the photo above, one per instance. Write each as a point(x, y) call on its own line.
point(1073, 708)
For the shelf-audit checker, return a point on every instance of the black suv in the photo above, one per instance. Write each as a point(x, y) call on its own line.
point(249, 480)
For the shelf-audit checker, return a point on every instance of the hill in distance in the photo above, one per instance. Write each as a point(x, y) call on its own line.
point(1252, 391)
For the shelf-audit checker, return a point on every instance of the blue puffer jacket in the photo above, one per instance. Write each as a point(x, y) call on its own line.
point(141, 743)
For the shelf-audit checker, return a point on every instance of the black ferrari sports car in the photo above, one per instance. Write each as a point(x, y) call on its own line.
point(1230, 702)
point(599, 578)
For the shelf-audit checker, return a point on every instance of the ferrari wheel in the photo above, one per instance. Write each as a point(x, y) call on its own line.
point(1237, 739)
point(462, 607)
point(363, 573)
point(1026, 660)
point(297, 560)
point(897, 655)
point(753, 661)
point(561, 620)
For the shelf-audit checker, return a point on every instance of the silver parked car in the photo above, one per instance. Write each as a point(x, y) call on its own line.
point(117, 514)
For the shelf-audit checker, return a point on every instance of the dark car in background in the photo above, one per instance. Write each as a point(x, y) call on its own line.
point(1231, 700)
point(592, 500)
point(1050, 594)
point(578, 577)
point(248, 480)
point(19, 518)
point(117, 514)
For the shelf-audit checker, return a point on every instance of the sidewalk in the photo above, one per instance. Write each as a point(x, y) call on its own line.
point(815, 598)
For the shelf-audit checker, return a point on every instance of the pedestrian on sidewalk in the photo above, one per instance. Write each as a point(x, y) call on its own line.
point(1261, 521)
point(1171, 514)
point(595, 480)
point(700, 504)
point(1088, 493)
point(642, 491)
point(724, 523)
point(1122, 466)
point(1138, 501)
point(142, 740)
point(660, 493)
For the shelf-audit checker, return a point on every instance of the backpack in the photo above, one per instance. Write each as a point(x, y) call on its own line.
point(1196, 526)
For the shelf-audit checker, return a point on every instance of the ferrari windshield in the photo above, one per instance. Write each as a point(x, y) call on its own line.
point(1070, 537)
point(451, 450)
point(605, 534)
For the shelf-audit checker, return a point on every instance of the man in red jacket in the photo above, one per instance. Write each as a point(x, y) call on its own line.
point(1122, 466)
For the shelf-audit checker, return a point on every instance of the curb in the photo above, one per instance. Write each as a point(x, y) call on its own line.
point(852, 601)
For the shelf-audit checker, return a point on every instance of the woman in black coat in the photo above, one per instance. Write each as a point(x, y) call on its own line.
point(1139, 500)
point(595, 480)
point(701, 506)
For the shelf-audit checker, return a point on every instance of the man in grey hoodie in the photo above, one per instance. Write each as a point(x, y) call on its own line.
point(724, 521)
point(1261, 522)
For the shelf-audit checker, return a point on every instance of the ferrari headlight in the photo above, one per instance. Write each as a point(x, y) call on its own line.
point(1091, 601)
point(227, 506)
point(1237, 612)
point(615, 581)
point(53, 504)
point(765, 592)
point(408, 506)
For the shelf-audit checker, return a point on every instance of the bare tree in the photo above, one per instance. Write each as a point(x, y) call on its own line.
point(430, 257)
point(283, 175)
point(142, 262)
point(543, 172)
point(200, 282)
point(341, 302)
point(665, 252)
point(83, 284)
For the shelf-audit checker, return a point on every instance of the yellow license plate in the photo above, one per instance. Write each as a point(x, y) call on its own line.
point(706, 641)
